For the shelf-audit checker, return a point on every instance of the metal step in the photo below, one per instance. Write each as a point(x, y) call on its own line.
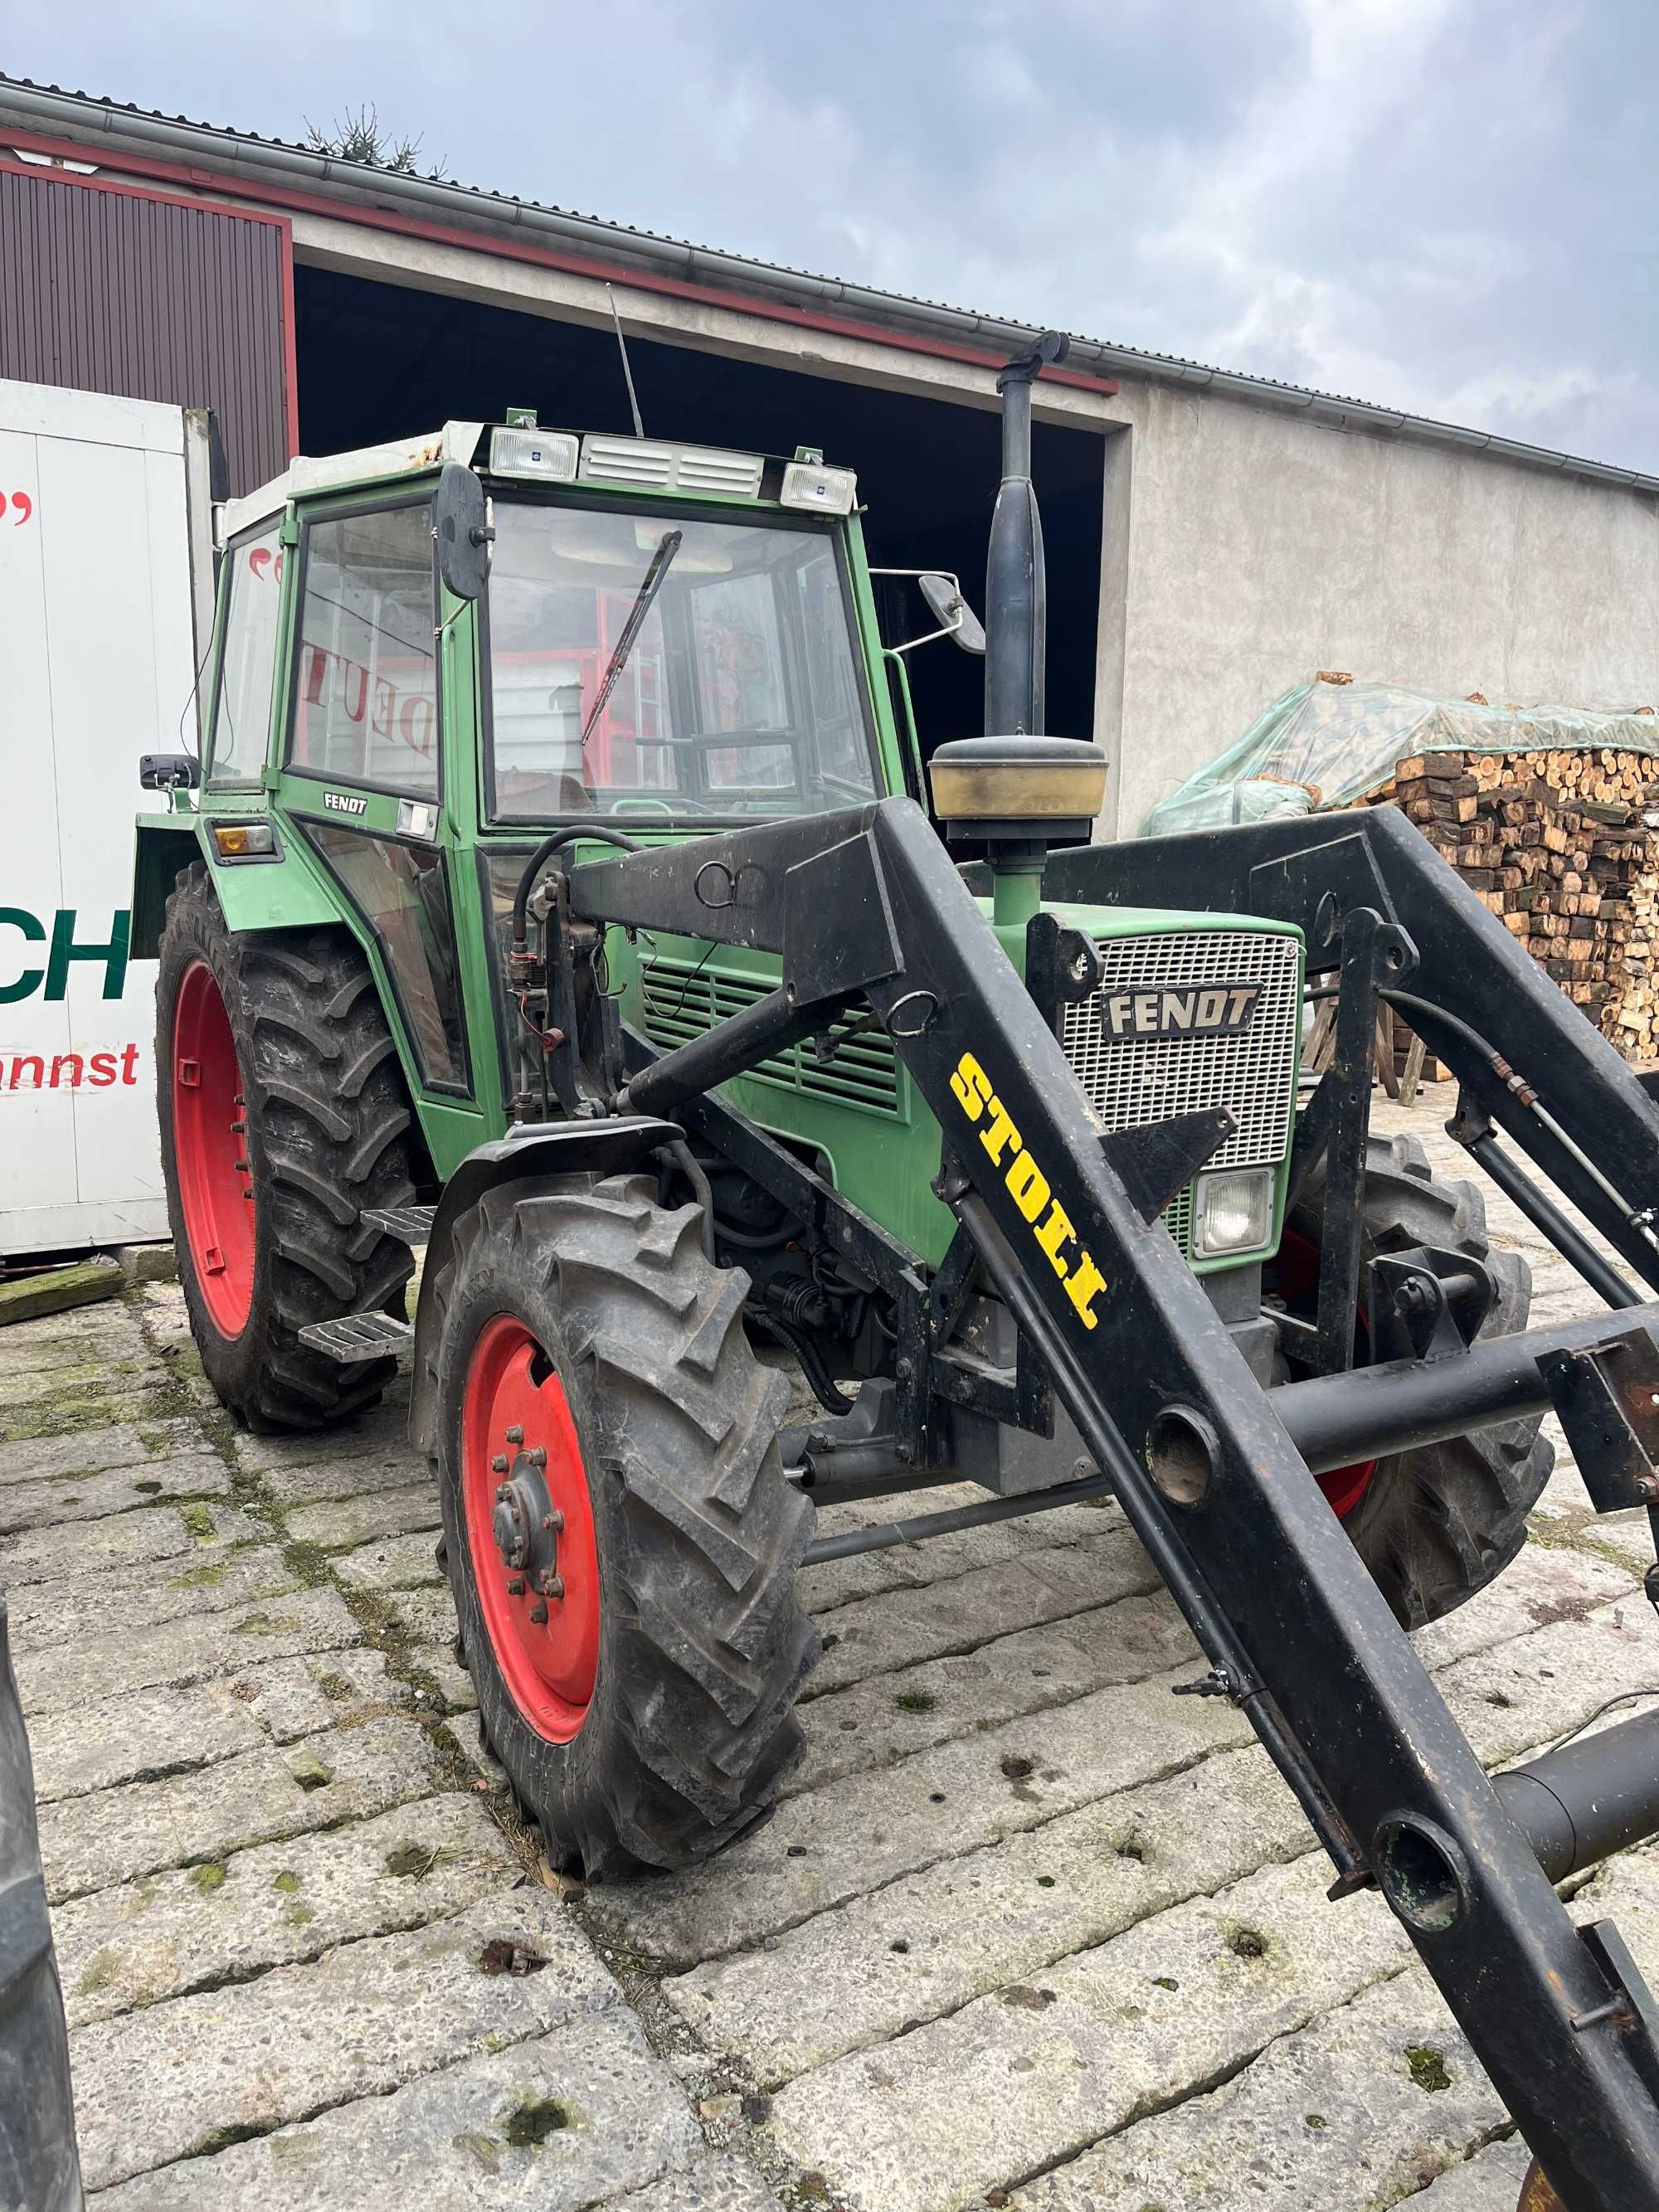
point(410, 1224)
point(356, 1337)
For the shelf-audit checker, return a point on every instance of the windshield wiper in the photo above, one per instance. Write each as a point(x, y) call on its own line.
point(642, 607)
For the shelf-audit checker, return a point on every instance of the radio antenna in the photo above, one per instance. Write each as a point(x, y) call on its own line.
point(627, 373)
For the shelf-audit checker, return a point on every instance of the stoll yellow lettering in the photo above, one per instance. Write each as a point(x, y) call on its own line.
point(1055, 1236)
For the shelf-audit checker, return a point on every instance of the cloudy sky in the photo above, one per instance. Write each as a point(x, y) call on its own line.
point(1442, 205)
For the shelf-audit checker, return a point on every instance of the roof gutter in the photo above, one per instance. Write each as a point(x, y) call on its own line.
point(253, 158)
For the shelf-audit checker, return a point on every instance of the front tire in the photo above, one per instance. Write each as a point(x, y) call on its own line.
point(1435, 1524)
point(283, 1116)
point(620, 1542)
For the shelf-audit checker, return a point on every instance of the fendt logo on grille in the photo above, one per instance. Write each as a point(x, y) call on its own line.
point(1199, 1010)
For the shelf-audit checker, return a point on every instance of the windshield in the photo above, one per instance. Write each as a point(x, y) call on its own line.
point(658, 664)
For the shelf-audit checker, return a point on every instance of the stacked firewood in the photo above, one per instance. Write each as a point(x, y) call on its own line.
point(1561, 847)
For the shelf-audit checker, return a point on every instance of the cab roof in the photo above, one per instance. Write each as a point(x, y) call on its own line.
point(528, 451)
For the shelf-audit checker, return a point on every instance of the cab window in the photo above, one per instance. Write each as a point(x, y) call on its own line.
point(366, 688)
point(247, 664)
point(666, 665)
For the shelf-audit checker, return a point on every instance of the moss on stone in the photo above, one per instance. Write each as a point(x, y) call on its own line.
point(413, 1862)
point(534, 2120)
point(286, 1880)
point(198, 1522)
point(206, 1577)
point(98, 1973)
point(308, 1562)
point(1427, 2068)
point(207, 1876)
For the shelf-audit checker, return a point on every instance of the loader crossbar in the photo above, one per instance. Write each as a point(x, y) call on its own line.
point(1205, 1466)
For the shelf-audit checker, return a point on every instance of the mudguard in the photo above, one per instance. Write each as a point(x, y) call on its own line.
point(284, 890)
point(537, 1148)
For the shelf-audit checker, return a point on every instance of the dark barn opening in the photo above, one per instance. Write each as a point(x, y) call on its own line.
point(385, 360)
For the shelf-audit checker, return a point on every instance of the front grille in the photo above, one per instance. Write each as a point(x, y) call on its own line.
point(682, 1001)
point(1131, 1081)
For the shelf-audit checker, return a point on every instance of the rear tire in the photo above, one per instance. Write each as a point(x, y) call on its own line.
point(648, 1720)
point(323, 1116)
point(1437, 1523)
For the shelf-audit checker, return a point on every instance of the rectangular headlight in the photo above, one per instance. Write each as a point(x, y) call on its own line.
point(243, 841)
point(810, 484)
point(1232, 1212)
point(548, 456)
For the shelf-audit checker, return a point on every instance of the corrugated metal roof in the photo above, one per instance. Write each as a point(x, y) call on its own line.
point(48, 106)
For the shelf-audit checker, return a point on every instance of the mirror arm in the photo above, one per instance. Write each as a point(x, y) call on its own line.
point(911, 643)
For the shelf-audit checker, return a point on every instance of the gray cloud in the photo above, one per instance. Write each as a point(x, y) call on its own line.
point(1442, 205)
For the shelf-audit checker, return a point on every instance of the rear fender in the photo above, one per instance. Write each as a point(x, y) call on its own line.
point(541, 1148)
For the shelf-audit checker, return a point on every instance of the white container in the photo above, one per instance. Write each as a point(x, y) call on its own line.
point(105, 584)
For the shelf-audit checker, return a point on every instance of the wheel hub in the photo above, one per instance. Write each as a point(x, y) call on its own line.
point(526, 1524)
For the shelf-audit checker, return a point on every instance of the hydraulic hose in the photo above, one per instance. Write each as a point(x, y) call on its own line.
point(797, 1341)
point(599, 831)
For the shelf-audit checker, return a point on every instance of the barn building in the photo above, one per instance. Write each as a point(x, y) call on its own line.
point(1213, 537)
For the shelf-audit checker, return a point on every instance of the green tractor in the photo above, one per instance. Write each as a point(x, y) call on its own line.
point(655, 643)
point(556, 892)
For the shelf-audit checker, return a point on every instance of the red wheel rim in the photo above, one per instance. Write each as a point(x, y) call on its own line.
point(1294, 1276)
point(521, 1470)
point(209, 1150)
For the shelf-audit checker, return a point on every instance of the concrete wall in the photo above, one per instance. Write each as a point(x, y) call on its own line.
point(1256, 547)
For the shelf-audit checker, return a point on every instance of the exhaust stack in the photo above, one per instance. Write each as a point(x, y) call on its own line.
point(1015, 590)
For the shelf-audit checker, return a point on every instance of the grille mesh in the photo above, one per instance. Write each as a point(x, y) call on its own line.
point(680, 1002)
point(1129, 1082)
point(1133, 1080)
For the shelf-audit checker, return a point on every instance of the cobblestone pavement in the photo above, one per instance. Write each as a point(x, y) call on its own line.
point(1024, 1931)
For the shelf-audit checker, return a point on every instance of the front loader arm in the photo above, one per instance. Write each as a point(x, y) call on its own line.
point(1205, 1468)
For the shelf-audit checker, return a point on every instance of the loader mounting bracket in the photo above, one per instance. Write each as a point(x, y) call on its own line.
point(1607, 1398)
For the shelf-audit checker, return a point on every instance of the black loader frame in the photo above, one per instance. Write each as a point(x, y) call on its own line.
point(1215, 1472)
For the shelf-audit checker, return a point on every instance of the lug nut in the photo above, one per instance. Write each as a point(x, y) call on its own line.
point(499, 1464)
point(554, 1520)
point(504, 1494)
point(553, 1585)
point(515, 1435)
point(536, 1455)
point(538, 1614)
point(515, 1587)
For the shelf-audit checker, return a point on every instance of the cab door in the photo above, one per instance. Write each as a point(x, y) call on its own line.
point(362, 781)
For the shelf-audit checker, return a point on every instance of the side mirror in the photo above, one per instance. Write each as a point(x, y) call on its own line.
point(951, 612)
point(168, 772)
point(461, 529)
